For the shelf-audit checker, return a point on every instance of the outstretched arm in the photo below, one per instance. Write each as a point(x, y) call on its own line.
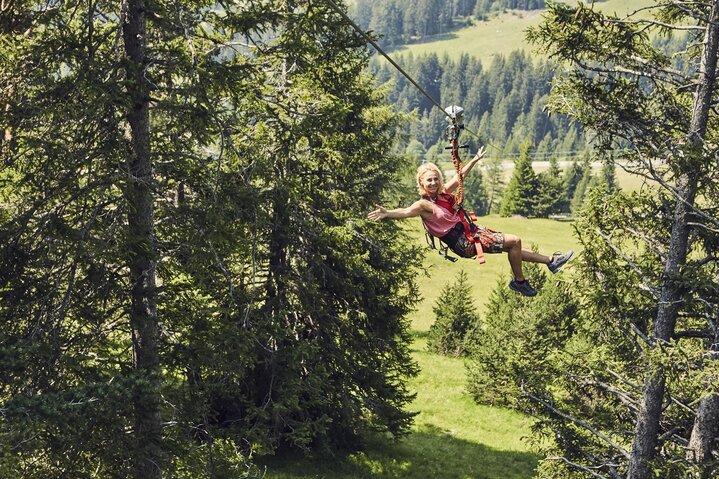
point(454, 182)
point(415, 209)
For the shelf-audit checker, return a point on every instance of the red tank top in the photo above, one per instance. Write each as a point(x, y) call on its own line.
point(442, 220)
point(446, 217)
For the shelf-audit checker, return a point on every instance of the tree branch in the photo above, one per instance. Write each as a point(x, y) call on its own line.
point(578, 422)
point(576, 466)
point(693, 333)
point(648, 284)
point(649, 23)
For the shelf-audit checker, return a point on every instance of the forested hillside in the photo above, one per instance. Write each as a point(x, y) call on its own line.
point(404, 21)
point(504, 103)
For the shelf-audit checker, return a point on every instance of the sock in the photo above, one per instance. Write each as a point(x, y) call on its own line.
point(520, 282)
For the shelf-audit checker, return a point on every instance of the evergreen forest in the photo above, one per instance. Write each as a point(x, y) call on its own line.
point(190, 285)
point(505, 104)
point(406, 21)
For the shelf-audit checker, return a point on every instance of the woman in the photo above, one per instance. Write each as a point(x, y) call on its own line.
point(446, 222)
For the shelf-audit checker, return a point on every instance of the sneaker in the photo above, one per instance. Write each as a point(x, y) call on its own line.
point(523, 288)
point(558, 260)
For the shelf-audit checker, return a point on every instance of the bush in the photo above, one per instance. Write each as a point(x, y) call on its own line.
point(519, 336)
point(455, 314)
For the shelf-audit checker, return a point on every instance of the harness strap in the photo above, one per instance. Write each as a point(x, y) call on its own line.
point(443, 248)
point(477, 243)
point(448, 202)
point(473, 239)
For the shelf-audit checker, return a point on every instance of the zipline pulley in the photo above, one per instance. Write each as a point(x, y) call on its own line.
point(455, 117)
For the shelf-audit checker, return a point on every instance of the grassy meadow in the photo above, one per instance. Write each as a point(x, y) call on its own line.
point(502, 34)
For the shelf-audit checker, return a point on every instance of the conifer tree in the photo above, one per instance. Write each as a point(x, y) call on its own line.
point(580, 190)
point(494, 182)
point(652, 267)
point(520, 196)
point(455, 314)
point(184, 154)
point(550, 191)
point(476, 198)
point(571, 178)
point(514, 347)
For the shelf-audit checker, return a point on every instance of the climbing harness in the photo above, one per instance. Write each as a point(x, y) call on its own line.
point(463, 239)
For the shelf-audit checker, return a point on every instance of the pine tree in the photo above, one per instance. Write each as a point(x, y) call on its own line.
point(580, 191)
point(236, 178)
point(476, 198)
point(494, 182)
point(643, 251)
point(570, 180)
point(519, 197)
point(550, 190)
point(455, 314)
point(514, 348)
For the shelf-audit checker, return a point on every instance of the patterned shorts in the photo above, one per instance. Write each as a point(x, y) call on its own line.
point(491, 241)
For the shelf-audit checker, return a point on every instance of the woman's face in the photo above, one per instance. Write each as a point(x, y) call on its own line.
point(430, 182)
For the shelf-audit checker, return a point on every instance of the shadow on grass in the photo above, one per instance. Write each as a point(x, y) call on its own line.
point(427, 453)
point(419, 333)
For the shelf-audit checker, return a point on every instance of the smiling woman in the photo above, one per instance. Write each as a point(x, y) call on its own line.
point(445, 219)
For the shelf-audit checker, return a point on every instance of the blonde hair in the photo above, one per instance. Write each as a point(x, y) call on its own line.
point(424, 168)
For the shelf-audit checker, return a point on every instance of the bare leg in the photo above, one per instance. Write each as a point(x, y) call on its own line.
point(532, 257)
point(515, 253)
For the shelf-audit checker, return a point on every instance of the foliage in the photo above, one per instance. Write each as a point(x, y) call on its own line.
point(519, 197)
point(548, 199)
point(629, 351)
point(282, 318)
point(476, 198)
point(516, 345)
point(571, 179)
point(455, 313)
point(494, 183)
point(657, 281)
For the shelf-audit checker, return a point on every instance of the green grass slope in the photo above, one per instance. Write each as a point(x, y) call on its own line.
point(452, 438)
point(502, 34)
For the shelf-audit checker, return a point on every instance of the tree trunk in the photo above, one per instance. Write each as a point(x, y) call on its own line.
point(706, 425)
point(148, 454)
point(647, 428)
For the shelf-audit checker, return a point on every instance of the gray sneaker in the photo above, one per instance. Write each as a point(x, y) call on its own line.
point(558, 260)
point(523, 288)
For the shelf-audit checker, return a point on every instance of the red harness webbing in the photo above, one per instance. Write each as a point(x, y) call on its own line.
point(448, 201)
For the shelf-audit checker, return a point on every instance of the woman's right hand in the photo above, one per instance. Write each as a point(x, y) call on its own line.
point(377, 214)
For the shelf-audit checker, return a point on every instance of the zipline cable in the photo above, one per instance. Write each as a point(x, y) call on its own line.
point(336, 8)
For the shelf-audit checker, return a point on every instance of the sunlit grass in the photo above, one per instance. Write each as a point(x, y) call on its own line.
point(502, 34)
point(452, 438)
